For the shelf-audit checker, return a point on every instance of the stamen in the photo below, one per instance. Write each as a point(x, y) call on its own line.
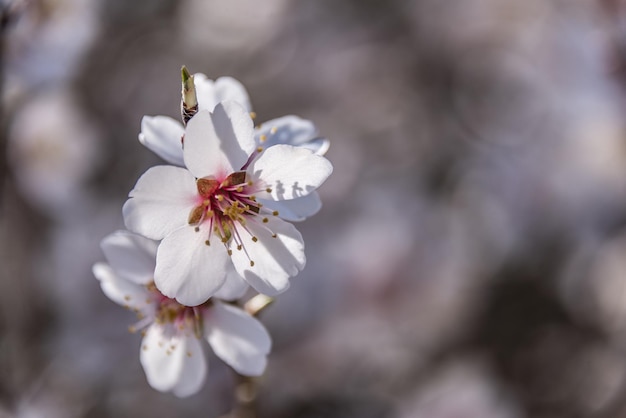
point(275, 213)
point(251, 263)
point(196, 215)
point(206, 186)
point(273, 130)
point(269, 190)
point(255, 239)
point(144, 322)
point(198, 322)
point(263, 138)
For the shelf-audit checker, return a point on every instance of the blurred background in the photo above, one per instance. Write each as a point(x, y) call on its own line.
point(470, 257)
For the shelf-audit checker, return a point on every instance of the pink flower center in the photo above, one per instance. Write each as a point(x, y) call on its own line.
point(227, 205)
point(170, 312)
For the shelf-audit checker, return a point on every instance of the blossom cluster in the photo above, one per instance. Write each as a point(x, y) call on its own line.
point(209, 226)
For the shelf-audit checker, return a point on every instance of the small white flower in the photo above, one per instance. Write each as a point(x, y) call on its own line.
point(163, 135)
point(210, 215)
point(171, 351)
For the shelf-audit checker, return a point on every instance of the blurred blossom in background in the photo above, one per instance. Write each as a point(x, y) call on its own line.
point(469, 259)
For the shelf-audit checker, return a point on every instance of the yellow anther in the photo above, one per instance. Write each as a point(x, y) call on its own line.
point(239, 247)
point(224, 240)
point(273, 130)
point(274, 235)
point(220, 197)
point(253, 115)
point(255, 239)
point(239, 189)
point(249, 182)
point(230, 252)
point(275, 213)
point(207, 243)
point(269, 190)
point(263, 138)
point(132, 329)
point(265, 220)
point(251, 263)
point(259, 149)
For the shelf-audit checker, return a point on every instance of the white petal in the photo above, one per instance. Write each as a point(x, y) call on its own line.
point(318, 145)
point(289, 172)
point(194, 368)
point(162, 364)
point(297, 209)
point(161, 201)
point(187, 269)
point(162, 135)
point(218, 143)
point(121, 291)
point(275, 259)
point(131, 256)
point(291, 130)
point(210, 92)
point(237, 338)
point(234, 287)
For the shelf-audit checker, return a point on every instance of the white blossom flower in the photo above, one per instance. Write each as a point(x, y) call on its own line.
point(171, 351)
point(163, 135)
point(210, 215)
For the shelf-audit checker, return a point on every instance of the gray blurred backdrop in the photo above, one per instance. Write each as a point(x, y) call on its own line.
point(470, 257)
